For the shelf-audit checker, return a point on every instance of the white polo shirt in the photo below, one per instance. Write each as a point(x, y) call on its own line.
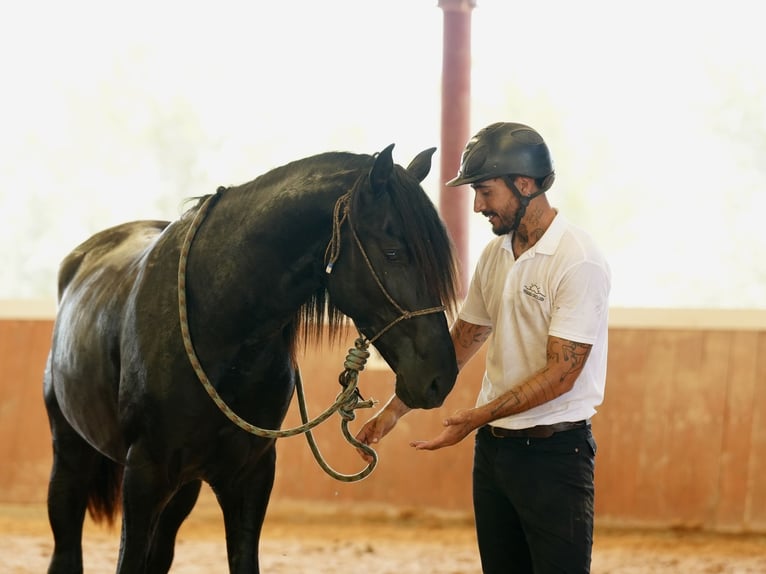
point(560, 287)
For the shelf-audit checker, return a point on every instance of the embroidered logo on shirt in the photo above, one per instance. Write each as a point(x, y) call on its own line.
point(534, 291)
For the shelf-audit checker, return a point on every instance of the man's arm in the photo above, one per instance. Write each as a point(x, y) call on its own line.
point(467, 339)
point(565, 361)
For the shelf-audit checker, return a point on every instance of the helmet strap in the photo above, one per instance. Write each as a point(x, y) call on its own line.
point(523, 201)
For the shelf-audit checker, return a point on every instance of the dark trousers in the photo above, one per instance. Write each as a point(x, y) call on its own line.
point(533, 502)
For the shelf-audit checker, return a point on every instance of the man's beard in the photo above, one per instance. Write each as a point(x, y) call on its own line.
point(503, 226)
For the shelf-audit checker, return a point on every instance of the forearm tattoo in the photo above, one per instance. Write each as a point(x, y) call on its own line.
point(565, 361)
point(511, 402)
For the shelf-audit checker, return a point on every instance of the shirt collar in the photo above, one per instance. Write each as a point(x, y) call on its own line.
point(550, 240)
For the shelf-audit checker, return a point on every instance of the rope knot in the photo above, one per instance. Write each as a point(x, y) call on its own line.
point(357, 357)
point(346, 410)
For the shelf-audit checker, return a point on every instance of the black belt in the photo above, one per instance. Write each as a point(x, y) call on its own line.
point(540, 431)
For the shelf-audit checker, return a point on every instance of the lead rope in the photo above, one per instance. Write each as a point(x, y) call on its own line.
point(354, 363)
point(345, 403)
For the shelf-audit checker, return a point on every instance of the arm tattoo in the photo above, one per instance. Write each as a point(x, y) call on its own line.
point(565, 361)
point(509, 402)
point(467, 338)
point(569, 355)
point(467, 334)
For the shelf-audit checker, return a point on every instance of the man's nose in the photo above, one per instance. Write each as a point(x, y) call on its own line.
point(478, 203)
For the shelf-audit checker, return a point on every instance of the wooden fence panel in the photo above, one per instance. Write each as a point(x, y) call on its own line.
point(755, 506)
point(25, 447)
point(736, 440)
point(681, 433)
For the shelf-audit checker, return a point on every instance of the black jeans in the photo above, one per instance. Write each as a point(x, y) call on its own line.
point(533, 502)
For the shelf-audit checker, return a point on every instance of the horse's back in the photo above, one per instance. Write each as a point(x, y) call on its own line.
point(95, 282)
point(116, 246)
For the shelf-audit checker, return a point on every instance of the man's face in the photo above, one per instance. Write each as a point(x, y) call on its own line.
point(495, 201)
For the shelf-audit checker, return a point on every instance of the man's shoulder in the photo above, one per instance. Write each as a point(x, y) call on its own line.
point(579, 243)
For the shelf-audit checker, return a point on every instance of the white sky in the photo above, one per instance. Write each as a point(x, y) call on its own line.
point(632, 98)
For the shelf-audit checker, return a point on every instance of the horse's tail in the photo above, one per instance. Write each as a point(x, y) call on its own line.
point(105, 491)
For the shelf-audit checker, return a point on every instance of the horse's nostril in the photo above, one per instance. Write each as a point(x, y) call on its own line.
point(436, 394)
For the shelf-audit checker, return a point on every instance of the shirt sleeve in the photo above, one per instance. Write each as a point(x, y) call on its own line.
point(474, 309)
point(581, 304)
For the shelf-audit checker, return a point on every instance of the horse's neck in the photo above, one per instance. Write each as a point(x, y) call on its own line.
point(260, 261)
point(285, 223)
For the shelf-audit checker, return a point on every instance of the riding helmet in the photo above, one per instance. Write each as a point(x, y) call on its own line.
point(505, 148)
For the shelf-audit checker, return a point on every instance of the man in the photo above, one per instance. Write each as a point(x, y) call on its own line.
point(539, 296)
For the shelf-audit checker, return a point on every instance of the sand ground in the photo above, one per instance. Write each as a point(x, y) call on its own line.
point(325, 540)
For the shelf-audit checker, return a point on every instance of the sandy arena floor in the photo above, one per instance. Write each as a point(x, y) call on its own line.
point(320, 541)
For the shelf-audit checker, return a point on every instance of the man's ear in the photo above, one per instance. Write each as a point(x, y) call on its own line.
point(525, 185)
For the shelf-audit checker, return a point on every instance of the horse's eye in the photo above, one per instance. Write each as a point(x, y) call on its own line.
point(391, 254)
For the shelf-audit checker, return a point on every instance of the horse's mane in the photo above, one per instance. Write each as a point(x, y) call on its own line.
point(425, 235)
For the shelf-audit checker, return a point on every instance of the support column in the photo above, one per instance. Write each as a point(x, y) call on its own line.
point(455, 203)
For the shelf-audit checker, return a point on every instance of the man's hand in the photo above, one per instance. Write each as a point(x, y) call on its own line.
point(456, 428)
point(381, 424)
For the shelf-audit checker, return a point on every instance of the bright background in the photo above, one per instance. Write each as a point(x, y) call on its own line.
point(654, 112)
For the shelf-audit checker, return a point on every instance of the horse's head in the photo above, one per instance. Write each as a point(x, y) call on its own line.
point(395, 274)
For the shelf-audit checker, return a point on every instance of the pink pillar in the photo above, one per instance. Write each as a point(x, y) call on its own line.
point(455, 203)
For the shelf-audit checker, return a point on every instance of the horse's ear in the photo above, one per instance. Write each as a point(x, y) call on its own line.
point(421, 165)
point(382, 169)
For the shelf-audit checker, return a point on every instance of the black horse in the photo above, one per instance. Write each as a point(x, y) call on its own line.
point(323, 238)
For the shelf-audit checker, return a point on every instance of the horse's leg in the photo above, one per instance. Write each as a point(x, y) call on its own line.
point(75, 464)
point(176, 511)
point(68, 500)
point(145, 491)
point(243, 502)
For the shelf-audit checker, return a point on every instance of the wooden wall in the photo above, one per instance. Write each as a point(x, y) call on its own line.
point(681, 434)
point(682, 431)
